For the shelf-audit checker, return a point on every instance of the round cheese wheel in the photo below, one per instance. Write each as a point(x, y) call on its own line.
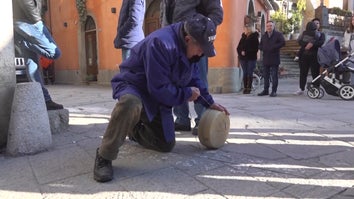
point(213, 128)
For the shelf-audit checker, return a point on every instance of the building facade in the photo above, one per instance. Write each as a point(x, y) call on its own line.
point(88, 54)
point(87, 40)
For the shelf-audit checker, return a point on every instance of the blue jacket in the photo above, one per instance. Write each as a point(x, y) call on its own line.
point(271, 48)
point(130, 24)
point(159, 72)
point(173, 11)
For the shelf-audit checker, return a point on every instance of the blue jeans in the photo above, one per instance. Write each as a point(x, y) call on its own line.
point(270, 72)
point(248, 67)
point(182, 111)
point(35, 40)
point(125, 53)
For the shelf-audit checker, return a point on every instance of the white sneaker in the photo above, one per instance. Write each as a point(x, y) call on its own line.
point(299, 92)
point(296, 58)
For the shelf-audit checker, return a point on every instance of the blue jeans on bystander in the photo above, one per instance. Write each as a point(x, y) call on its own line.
point(182, 111)
point(35, 40)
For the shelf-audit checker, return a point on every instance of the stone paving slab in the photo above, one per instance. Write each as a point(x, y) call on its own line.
point(284, 147)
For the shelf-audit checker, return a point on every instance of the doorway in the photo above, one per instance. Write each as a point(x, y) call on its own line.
point(91, 50)
point(152, 16)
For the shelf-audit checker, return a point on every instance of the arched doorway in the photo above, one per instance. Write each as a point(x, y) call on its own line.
point(250, 11)
point(91, 49)
point(152, 16)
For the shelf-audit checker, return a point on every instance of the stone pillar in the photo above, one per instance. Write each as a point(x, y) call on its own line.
point(322, 13)
point(29, 130)
point(7, 69)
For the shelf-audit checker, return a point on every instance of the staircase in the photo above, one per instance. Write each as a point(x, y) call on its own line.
point(289, 67)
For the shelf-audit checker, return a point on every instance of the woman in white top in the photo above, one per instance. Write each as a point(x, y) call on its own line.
point(348, 39)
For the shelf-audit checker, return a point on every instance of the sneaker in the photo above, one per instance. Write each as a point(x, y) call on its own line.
point(181, 127)
point(273, 94)
point(195, 130)
point(296, 58)
point(299, 92)
point(264, 92)
point(53, 106)
point(103, 171)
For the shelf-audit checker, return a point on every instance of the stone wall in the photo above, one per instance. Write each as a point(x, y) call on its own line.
point(7, 69)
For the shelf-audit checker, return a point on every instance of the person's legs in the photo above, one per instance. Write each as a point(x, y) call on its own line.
point(34, 40)
point(199, 109)
point(182, 122)
point(249, 74)
point(244, 67)
point(274, 75)
point(315, 70)
point(304, 70)
point(34, 75)
point(124, 117)
point(37, 38)
point(150, 134)
point(203, 75)
point(266, 74)
point(125, 53)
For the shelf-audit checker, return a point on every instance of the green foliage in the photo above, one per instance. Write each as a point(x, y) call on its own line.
point(284, 25)
point(293, 22)
point(81, 9)
point(339, 11)
point(297, 14)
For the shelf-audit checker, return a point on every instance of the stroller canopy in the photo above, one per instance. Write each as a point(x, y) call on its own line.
point(329, 54)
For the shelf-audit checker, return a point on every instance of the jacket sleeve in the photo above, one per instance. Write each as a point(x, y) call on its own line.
point(280, 41)
point(159, 59)
point(320, 41)
point(239, 47)
point(253, 47)
point(212, 9)
point(135, 8)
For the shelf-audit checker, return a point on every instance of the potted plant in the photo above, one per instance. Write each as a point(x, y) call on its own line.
point(283, 24)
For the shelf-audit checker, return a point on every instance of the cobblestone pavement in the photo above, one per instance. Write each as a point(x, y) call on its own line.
point(283, 147)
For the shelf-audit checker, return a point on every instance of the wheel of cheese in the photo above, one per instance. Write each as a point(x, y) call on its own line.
point(213, 129)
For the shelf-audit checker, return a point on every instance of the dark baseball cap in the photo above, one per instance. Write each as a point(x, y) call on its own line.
point(203, 30)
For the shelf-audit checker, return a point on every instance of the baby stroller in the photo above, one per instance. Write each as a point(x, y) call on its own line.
point(335, 79)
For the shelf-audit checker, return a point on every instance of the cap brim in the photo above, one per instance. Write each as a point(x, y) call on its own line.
point(209, 50)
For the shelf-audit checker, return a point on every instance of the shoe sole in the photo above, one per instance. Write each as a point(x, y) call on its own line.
point(102, 179)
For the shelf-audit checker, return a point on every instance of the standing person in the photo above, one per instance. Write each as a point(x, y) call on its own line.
point(309, 41)
point(160, 74)
point(32, 39)
point(182, 10)
point(247, 53)
point(130, 26)
point(348, 38)
point(347, 46)
point(270, 45)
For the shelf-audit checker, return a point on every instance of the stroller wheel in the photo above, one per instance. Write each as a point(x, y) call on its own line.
point(314, 93)
point(321, 93)
point(346, 92)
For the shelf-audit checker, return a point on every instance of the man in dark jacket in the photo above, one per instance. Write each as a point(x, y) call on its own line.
point(130, 26)
point(32, 38)
point(160, 74)
point(270, 45)
point(173, 11)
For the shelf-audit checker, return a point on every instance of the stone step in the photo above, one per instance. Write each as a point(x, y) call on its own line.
point(288, 67)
